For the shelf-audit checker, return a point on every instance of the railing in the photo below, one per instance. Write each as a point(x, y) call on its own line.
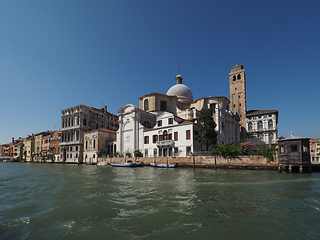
point(70, 142)
point(164, 143)
point(262, 130)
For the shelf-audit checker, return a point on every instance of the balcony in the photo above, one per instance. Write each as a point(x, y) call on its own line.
point(261, 130)
point(69, 143)
point(164, 143)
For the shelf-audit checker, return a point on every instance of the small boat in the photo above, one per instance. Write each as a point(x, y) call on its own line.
point(163, 165)
point(123, 164)
point(139, 164)
point(102, 164)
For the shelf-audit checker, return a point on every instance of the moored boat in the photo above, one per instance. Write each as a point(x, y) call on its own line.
point(123, 164)
point(102, 164)
point(163, 165)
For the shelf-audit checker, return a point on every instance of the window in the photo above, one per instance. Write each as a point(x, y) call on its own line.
point(170, 136)
point(86, 144)
point(305, 149)
point(146, 153)
point(250, 126)
point(188, 150)
point(175, 136)
point(77, 148)
point(170, 120)
point(165, 135)
point(146, 140)
point(239, 76)
point(260, 125)
point(70, 155)
point(94, 156)
point(188, 135)
point(163, 106)
point(270, 124)
point(94, 143)
point(160, 137)
point(260, 137)
point(176, 150)
point(270, 137)
point(159, 123)
point(146, 105)
point(294, 148)
point(155, 138)
point(234, 78)
point(213, 107)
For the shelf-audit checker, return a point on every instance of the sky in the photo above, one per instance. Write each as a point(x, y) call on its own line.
point(56, 54)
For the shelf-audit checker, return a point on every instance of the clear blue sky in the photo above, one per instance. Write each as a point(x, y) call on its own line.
point(58, 54)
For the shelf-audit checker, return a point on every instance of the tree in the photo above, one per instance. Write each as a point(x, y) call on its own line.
point(206, 134)
point(138, 153)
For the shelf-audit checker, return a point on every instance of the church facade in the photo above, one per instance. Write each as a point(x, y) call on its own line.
point(165, 124)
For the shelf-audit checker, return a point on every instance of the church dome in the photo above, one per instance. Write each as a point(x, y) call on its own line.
point(180, 90)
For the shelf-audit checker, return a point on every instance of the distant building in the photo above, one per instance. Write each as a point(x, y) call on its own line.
point(54, 151)
point(315, 150)
point(39, 152)
point(261, 126)
point(164, 125)
point(75, 121)
point(29, 148)
point(256, 126)
point(94, 142)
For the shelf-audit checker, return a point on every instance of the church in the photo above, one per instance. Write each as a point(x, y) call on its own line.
point(165, 124)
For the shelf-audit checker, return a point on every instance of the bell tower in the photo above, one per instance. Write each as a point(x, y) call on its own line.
point(237, 80)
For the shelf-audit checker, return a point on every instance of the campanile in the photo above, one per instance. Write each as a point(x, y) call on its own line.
point(237, 80)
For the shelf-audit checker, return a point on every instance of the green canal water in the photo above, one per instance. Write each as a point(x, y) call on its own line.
point(52, 201)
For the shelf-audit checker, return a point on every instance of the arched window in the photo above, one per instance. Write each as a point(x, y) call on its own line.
point(165, 135)
point(239, 76)
point(260, 138)
point(146, 105)
point(270, 137)
point(163, 106)
point(260, 125)
point(250, 126)
point(270, 124)
point(86, 144)
point(234, 78)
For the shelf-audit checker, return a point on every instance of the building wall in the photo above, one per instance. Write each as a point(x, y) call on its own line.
point(265, 135)
point(29, 145)
point(75, 122)
point(94, 141)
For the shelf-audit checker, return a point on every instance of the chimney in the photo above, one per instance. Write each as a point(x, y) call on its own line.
point(12, 140)
point(105, 108)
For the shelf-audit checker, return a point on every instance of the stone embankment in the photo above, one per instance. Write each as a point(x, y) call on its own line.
point(243, 162)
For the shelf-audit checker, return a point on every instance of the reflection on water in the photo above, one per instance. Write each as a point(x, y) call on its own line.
point(50, 201)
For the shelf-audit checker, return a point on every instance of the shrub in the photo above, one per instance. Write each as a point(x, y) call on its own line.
point(248, 148)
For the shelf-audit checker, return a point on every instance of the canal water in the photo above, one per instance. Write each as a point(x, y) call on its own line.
point(55, 201)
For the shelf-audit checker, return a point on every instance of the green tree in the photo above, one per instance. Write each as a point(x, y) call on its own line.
point(103, 151)
point(138, 153)
point(206, 134)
